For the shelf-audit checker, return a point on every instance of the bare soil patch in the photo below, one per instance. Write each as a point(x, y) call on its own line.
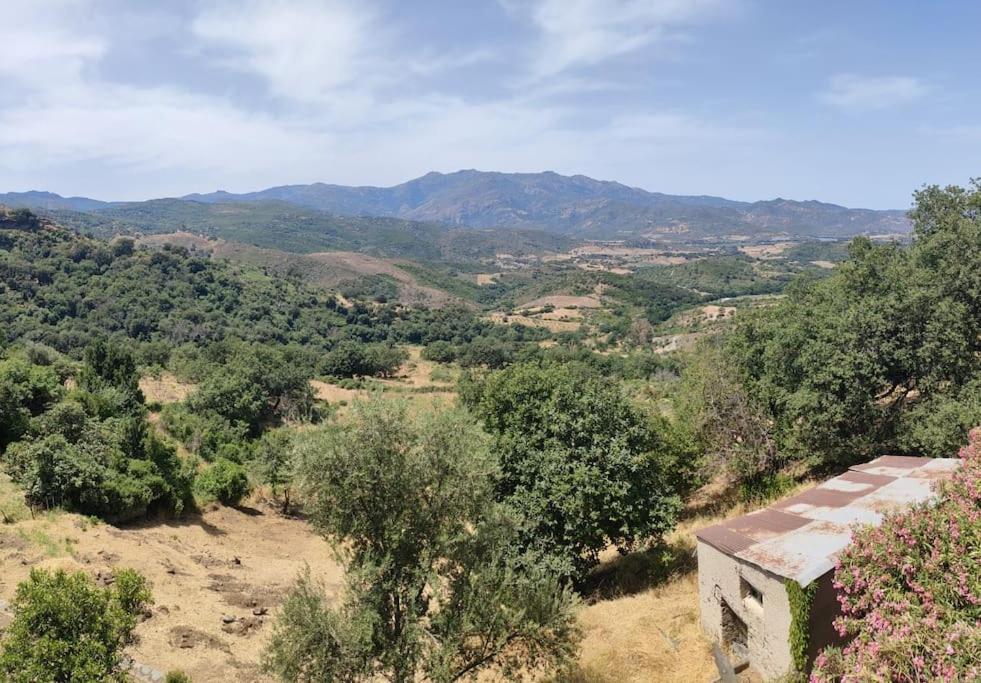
point(165, 389)
point(218, 579)
point(564, 301)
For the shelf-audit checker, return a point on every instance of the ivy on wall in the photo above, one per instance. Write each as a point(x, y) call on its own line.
point(801, 599)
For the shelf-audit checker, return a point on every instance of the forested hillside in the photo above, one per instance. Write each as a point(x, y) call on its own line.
point(293, 228)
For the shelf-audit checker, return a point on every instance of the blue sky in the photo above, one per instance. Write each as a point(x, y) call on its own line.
point(857, 103)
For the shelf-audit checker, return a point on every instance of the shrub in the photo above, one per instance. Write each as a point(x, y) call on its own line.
point(439, 352)
point(65, 628)
point(910, 590)
point(580, 464)
point(224, 481)
point(177, 677)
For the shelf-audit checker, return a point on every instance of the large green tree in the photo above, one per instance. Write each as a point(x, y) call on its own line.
point(581, 466)
point(434, 589)
point(842, 367)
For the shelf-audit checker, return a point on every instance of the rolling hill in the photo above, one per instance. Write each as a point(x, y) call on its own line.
point(290, 227)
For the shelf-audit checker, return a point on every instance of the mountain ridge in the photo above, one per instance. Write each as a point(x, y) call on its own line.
point(576, 206)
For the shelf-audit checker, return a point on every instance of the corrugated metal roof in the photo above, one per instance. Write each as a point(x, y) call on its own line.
point(799, 537)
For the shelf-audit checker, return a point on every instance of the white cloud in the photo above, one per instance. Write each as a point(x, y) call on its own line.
point(41, 52)
point(861, 93)
point(587, 32)
point(347, 103)
point(302, 48)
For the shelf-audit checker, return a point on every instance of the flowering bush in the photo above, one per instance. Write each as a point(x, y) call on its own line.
point(910, 590)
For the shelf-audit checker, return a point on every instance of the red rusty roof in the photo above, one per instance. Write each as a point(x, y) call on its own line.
point(799, 537)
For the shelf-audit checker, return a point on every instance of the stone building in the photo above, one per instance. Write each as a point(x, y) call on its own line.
point(745, 564)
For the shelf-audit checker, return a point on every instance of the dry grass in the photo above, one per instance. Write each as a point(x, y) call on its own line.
point(551, 325)
point(165, 389)
point(223, 562)
point(764, 251)
point(649, 636)
point(643, 624)
point(564, 301)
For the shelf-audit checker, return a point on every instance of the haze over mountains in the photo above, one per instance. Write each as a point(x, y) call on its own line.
point(574, 206)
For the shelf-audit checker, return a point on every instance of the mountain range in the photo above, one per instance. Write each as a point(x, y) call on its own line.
point(573, 206)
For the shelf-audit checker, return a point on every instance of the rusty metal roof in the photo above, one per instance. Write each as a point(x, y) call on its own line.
point(800, 536)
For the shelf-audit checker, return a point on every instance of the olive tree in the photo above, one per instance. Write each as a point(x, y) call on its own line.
point(434, 589)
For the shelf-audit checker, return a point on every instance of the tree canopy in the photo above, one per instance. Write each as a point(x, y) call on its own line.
point(433, 587)
point(581, 466)
point(869, 359)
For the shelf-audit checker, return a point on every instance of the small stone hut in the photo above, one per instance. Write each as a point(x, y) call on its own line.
point(745, 565)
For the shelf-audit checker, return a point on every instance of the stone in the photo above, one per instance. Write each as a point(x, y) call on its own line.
point(227, 619)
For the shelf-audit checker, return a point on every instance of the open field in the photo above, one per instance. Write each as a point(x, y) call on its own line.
point(222, 563)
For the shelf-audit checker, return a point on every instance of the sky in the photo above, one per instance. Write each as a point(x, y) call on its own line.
point(857, 103)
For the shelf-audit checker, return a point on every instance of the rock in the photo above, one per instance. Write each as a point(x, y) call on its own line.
point(235, 560)
point(228, 619)
point(259, 611)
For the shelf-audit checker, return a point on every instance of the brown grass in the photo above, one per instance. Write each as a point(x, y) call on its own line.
point(224, 562)
point(165, 389)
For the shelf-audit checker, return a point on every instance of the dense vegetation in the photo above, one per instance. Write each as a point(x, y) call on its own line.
point(88, 449)
point(882, 356)
point(910, 590)
point(287, 227)
point(65, 628)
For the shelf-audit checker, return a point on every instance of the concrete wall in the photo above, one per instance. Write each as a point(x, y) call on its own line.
point(768, 627)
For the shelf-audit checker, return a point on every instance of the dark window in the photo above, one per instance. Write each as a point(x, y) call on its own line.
point(735, 634)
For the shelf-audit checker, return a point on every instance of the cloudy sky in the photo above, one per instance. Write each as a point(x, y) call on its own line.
point(852, 102)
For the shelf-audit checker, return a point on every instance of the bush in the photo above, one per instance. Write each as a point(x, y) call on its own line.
point(65, 628)
point(439, 352)
point(580, 464)
point(910, 590)
point(224, 481)
point(352, 359)
point(177, 677)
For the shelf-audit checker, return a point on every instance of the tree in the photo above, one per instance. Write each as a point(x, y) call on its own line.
point(839, 366)
point(274, 465)
point(224, 481)
point(65, 628)
point(434, 588)
point(25, 391)
point(582, 467)
point(732, 432)
point(107, 365)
